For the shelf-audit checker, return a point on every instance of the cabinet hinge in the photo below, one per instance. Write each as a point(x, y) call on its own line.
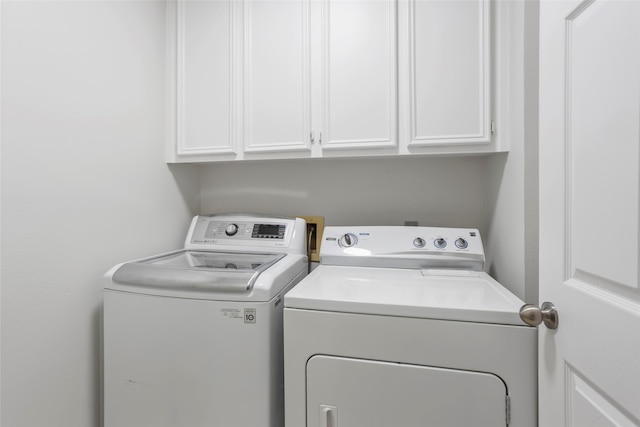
point(312, 136)
point(507, 401)
point(493, 127)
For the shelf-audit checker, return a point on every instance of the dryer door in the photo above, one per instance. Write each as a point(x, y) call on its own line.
point(344, 392)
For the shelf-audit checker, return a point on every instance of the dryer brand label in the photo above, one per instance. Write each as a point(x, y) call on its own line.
point(249, 315)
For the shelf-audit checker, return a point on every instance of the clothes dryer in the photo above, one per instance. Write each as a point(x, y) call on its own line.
point(194, 337)
point(399, 326)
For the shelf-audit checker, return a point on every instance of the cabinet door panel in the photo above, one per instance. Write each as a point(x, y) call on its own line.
point(277, 86)
point(449, 71)
point(359, 86)
point(205, 88)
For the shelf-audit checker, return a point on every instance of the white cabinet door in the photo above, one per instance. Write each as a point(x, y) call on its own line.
point(351, 48)
point(277, 91)
point(205, 115)
point(356, 392)
point(589, 212)
point(358, 74)
point(259, 79)
point(447, 75)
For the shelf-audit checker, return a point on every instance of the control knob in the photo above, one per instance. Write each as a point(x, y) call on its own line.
point(419, 242)
point(231, 229)
point(461, 243)
point(440, 243)
point(348, 240)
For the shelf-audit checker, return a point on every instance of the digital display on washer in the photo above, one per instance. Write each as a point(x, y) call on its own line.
point(268, 231)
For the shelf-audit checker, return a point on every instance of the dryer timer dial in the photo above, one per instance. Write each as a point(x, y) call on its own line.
point(348, 240)
point(440, 243)
point(462, 243)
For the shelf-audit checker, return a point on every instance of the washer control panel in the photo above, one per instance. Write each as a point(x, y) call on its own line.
point(216, 231)
point(242, 231)
point(402, 246)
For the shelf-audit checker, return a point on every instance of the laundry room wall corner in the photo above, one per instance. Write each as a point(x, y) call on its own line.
point(187, 183)
point(512, 240)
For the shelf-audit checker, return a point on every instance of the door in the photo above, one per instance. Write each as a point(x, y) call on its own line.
point(356, 392)
point(449, 84)
point(277, 91)
point(357, 81)
point(205, 79)
point(589, 219)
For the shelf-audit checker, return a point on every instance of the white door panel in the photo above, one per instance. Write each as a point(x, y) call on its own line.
point(449, 71)
point(589, 211)
point(277, 73)
point(205, 117)
point(355, 392)
point(588, 407)
point(602, 149)
point(359, 61)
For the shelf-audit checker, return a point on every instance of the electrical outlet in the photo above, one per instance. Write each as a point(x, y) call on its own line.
point(315, 228)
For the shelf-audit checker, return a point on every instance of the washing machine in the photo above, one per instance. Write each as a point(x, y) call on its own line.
point(194, 337)
point(400, 326)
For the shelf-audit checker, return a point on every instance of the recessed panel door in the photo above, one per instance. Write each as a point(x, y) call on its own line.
point(277, 91)
point(205, 80)
point(359, 61)
point(345, 392)
point(449, 73)
point(589, 212)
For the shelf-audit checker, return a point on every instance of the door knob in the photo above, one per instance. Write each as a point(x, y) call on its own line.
point(533, 316)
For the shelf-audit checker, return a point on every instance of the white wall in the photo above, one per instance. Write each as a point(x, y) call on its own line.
point(84, 186)
point(513, 232)
point(444, 191)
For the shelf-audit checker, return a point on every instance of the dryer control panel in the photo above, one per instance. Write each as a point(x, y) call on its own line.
point(403, 247)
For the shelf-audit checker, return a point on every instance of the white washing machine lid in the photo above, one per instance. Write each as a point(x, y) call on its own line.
point(201, 270)
point(208, 275)
point(458, 295)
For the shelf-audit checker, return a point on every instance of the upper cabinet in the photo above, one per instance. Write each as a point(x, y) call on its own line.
point(205, 79)
point(358, 82)
point(276, 69)
point(448, 73)
point(267, 79)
